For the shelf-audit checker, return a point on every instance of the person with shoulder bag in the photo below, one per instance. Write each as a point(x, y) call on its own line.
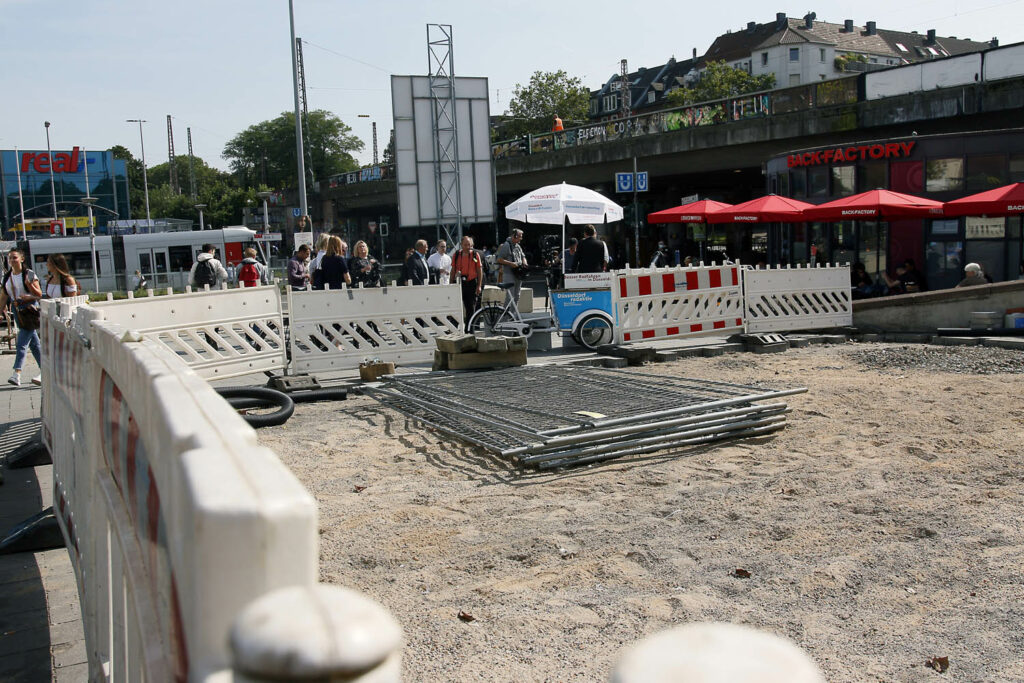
point(21, 290)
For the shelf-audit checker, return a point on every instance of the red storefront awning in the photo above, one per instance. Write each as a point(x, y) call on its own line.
point(874, 205)
point(1002, 201)
point(768, 209)
point(694, 212)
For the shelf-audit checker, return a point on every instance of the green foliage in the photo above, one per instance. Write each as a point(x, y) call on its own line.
point(842, 60)
point(265, 152)
point(718, 82)
point(205, 174)
point(548, 94)
point(136, 192)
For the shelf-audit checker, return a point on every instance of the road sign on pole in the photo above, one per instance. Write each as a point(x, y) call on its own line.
point(296, 212)
point(623, 182)
point(641, 181)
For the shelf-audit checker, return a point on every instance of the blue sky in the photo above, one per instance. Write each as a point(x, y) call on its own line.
point(219, 66)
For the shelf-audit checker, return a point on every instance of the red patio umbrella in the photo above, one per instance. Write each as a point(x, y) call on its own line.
point(874, 205)
point(768, 209)
point(1002, 201)
point(694, 212)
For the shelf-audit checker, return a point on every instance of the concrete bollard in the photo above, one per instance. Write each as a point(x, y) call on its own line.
point(316, 632)
point(715, 653)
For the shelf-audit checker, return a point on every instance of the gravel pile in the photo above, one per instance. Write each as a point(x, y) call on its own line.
point(965, 360)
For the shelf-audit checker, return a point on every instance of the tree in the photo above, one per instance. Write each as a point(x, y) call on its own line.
point(718, 82)
point(136, 189)
point(205, 175)
point(549, 94)
point(265, 152)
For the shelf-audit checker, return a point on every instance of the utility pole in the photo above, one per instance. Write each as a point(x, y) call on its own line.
point(191, 170)
point(305, 107)
point(175, 188)
point(636, 221)
point(145, 179)
point(625, 91)
point(299, 153)
point(53, 185)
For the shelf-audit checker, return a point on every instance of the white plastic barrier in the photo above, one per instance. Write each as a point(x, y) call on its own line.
point(177, 521)
point(804, 298)
point(664, 303)
point(336, 330)
point(218, 333)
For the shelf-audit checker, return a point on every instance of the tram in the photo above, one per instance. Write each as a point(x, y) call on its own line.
point(164, 258)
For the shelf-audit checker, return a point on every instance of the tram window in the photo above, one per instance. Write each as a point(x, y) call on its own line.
point(80, 263)
point(181, 257)
point(161, 261)
point(145, 263)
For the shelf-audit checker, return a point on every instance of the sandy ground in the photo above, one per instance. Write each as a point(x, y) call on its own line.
point(882, 527)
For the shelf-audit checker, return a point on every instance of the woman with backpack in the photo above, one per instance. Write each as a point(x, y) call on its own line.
point(21, 289)
point(59, 282)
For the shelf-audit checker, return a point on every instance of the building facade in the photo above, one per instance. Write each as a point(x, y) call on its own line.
point(939, 167)
point(42, 197)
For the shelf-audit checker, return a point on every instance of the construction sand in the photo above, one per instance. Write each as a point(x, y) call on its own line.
point(881, 528)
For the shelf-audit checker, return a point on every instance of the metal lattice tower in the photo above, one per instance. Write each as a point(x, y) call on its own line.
point(446, 148)
point(305, 109)
point(191, 169)
point(170, 157)
point(374, 143)
point(625, 91)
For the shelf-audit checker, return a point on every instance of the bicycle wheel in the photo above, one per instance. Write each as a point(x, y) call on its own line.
point(594, 331)
point(483, 321)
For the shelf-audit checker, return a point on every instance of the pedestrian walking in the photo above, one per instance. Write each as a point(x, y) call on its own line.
point(22, 291)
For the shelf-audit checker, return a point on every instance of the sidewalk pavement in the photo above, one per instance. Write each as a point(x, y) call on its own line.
point(41, 636)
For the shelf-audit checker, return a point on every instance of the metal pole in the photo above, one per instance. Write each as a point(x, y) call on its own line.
point(49, 155)
point(300, 154)
point(21, 200)
point(89, 199)
point(266, 218)
point(636, 222)
point(202, 225)
point(145, 178)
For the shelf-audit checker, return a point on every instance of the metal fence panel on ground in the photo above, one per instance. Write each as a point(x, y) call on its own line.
point(665, 303)
point(566, 415)
point(218, 333)
point(337, 330)
point(787, 299)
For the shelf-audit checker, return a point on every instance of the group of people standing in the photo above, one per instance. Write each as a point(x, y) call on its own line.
point(332, 266)
point(21, 292)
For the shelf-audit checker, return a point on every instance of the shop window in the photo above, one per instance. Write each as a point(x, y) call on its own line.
point(819, 249)
point(844, 243)
point(798, 183)
point(906, 177)
point(843, 180)
point(991, 256)
point(817, 181)
point(942, 229)
point(944, 175)
point(783, 185)
point(871, 251)
point(799, 244)
point(985, 171)
point(1017, 168)
point(944, 262)
point(871, 176)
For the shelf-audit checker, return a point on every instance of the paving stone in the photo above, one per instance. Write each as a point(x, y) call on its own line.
point(712, 351)
point(491, 344)
point(778, 347)
point(665, 356)
point(478, 361)
point(1004, 343)
point(456, 343)
point(66, 654)
point(798, 343)
point(440, 361)
point(517, 343)
point(955, 341)
point(871, 337)
point(614, 362)
point(539, 341)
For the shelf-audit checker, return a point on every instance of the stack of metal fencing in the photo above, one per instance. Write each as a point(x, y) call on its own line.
point(557, 415)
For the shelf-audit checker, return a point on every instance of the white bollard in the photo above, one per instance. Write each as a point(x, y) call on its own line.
point(316, 632)
point(715, 653)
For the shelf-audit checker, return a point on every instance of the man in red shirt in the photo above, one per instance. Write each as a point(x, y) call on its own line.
point(468, 268)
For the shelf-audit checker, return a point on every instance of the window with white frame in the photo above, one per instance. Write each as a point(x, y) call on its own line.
point(821, 54)
point(610, 102)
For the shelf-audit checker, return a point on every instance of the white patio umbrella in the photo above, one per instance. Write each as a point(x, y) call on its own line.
point(553, 204)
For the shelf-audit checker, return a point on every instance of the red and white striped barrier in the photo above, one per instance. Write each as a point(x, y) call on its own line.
point(665, 303)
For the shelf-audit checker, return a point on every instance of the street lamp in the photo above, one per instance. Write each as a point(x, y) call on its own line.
point(202, 225)
point(62, 216)
point(145, 180)
point(266, 219)
point(49, 155)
